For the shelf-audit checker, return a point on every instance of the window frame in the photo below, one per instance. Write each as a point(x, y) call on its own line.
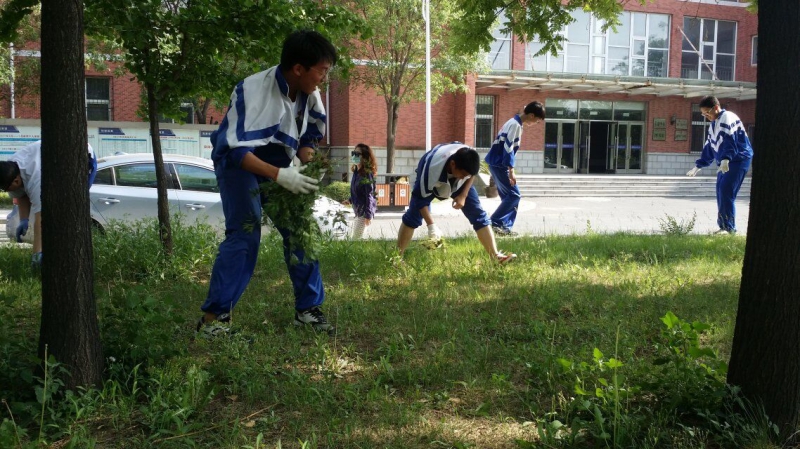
point(715, 43)
point(97, 101)
point(603, 57)
point(491, 118)
point(754, 50)
point(503, 39)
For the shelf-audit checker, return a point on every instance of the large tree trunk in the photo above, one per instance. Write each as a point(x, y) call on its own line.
point(765, 361)
point(164, 227)
point(69, 330)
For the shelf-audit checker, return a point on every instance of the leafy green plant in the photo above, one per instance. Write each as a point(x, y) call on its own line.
point(672, 226)
point(295, 212)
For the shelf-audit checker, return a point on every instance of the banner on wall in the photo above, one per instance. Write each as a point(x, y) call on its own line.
point(205, 144)
point(111, 141)
point(14, 137)
point(180, 141)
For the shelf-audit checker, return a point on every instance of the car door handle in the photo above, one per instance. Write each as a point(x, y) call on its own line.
point(195, 206)
point(109, 200)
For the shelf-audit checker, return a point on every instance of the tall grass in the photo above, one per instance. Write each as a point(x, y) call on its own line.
point(571, 346)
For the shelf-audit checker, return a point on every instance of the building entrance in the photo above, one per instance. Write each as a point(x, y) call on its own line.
point(594, 137)
point(593, 147)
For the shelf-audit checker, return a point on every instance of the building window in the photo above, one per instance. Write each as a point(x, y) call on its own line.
point(709, 49)
point(484, 121)
point(499, 57)
point(754, 52)
point(640, 47)
point(98, 99)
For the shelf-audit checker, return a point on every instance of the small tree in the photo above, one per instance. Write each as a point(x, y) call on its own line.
point(395, 56)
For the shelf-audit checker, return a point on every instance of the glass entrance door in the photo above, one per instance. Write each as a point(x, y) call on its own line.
point(559, 147)
point(628, 146)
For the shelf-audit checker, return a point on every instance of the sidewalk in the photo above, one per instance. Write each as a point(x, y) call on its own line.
point(575, 215)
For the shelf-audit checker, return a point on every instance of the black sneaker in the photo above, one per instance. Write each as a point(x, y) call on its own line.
point(221, 326)
point(315, 318)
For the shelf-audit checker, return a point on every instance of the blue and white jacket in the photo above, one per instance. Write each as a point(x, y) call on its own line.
point(503, 152)
point(726, 139)
point(432, 177)
point(261, 113)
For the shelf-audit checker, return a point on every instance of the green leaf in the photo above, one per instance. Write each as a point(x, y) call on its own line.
point(670, 320)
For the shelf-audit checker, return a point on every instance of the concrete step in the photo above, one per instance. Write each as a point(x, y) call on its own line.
point(621, 186)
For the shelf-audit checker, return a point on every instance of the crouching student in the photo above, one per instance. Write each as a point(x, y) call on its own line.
point(447, 171)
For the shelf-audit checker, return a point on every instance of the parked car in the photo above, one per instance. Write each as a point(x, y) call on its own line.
point(125, 190)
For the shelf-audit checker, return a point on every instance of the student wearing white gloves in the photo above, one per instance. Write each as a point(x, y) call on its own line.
point(726, 144)
point(273, 116)
point(21, 177)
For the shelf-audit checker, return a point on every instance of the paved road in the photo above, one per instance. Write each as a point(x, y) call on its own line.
point(546, 216)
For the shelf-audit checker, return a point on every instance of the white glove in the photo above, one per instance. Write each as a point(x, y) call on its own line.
point(723, 166)
point(693, 171)
point(433, 232)
point(292, 180)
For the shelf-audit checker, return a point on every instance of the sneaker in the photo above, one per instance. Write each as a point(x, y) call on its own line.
point(315, 318)
point(504, 232)
point(503, 258)
point(220, 327)
point(722, 231)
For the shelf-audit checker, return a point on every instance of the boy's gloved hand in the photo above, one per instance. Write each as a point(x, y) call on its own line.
point(36, 260)
point(433, 232)
point(22, 229)
point(723, 166)
point(291, 179)
point(693, 171)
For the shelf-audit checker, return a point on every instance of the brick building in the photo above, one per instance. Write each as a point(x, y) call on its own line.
point(621, 102)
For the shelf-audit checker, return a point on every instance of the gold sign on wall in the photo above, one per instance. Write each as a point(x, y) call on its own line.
point(659, 123)
point(659, 134)
point(681, 123)
point(681, 134)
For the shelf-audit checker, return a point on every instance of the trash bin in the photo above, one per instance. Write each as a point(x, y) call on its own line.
point(402, 194)
point(382, 194)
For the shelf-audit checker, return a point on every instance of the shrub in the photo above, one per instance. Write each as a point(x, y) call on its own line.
point(337, 190)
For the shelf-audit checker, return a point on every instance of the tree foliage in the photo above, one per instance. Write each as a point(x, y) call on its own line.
point(527, 20)
point(393, 55)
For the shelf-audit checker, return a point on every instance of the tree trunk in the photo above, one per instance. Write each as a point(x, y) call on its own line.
point(391, 133)
point(164, 227)
point(765, 361)
point(69, 329)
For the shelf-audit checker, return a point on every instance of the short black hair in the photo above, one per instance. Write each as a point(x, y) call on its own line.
point(9, 170)
point(307, 48)
point(536, 108)
point(709, 101)
point(467, 159)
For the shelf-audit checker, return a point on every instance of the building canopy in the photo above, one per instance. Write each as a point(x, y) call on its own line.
point(613, 84)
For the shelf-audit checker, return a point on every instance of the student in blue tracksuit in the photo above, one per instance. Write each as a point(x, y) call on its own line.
point(501, 159)
point(273, 116)
point(447, 171)
point(727, 144)
point(21, 177)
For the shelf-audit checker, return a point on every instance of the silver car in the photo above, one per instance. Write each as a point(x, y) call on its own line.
point(125, 190)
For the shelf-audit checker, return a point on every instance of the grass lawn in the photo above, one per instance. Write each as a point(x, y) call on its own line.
point(566, 347)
